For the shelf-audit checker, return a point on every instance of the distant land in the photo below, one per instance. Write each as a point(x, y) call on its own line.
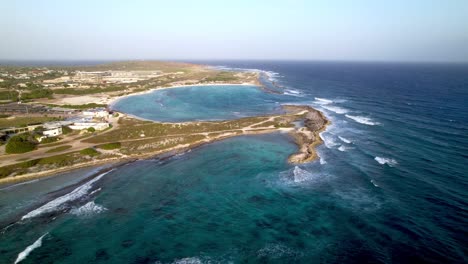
point(58, 118)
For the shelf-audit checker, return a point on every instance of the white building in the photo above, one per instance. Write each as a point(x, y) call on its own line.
point(98, 112)
point(97, 126)
point(52, 132)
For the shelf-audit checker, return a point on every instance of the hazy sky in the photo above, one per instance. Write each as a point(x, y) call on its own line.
point(393, 30)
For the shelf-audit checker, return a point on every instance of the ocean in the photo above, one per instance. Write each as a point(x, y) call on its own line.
point(390, 185)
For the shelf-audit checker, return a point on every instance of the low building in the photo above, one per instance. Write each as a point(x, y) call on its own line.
point(97, 113)
point(53, 132)
point(86, 125)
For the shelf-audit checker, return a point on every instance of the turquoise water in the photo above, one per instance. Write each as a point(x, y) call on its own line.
point(201, 103)
point(390, 185)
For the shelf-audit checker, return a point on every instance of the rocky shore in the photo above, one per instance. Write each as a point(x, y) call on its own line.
point(307, 135)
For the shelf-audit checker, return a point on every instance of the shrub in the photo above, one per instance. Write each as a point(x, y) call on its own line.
point(57, 149)
point(89, 152)
point(66, 130)
point(109, 146)
point(49, 140)
point(91, 129)
point(19, 144)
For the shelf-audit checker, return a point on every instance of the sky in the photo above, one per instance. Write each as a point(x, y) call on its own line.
point(354, 30)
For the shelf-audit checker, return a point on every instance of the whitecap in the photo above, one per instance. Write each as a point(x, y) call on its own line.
point(344, 148)
point(375, 184)
point(58, 202)
point(95, 191)
point(390, 162)
point(88, 209)
point(276, 251)
point(322, 100)
point(192, 260)
point(322, 161)
point(328, 141)
point(363, 120)
point(336, 109)
point(293, 93)
point(301, 175)
point(345, 140)
point(24, 254)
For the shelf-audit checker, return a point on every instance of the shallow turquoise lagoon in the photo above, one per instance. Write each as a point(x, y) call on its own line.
point(210, 102)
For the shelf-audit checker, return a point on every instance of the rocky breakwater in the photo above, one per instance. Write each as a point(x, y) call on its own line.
point(307, 135)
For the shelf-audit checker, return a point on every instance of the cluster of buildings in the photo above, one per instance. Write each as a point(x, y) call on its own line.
point(29, 74)
point(103, 77)
point(93, 118)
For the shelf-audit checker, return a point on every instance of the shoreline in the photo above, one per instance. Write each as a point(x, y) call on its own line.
point(115, 162)
point(112, 101)
point(306, 151)
point(306, 148)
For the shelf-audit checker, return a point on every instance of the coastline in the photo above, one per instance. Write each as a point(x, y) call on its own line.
point(306, 144)
point(115, 162)
point(112, 101)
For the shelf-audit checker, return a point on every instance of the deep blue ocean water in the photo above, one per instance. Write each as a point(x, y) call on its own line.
point(391, 184)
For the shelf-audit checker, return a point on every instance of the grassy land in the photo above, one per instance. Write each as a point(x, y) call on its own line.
point(82, 106)
point(135, 129)
point(21, 121)
point(58, 149)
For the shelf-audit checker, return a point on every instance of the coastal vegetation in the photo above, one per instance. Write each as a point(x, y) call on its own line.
point(20, 143)
point(79, 107)
point(58, 149)
point(89, 152)
point(22, 121)
point(131, 138)
point(110, 146)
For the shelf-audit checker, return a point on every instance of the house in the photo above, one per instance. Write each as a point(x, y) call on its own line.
point(53, 132)
point(86, 125)
point(97, 112)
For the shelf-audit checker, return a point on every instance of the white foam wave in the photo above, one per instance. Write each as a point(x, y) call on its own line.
point(276, 251)
point(24, 254)
point(375, 184)
point(301, 175)
point(336, 109)
point(323, 100)
point(293, 93)
point(322, 161)
point(390, 162)
point(344, 148)
point(88, 209)
point(363, 120)
point(328, 141)
point(58, 202)
point(192, 260)
point(345, 140)
point(95, 191)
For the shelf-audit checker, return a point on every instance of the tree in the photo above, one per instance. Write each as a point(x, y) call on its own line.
point(91, 129)
point(19, 144)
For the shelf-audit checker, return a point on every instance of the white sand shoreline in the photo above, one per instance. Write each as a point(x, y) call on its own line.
point(114, 100)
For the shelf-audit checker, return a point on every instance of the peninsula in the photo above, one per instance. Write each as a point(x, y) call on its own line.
point(59, 118)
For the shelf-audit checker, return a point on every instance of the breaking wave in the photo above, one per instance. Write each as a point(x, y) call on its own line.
point(24, 254)
point(336, 109)
point(192, 260)
point(345, 140)
point(328, 141)
point(59, 202)
point(390, 162)
point(344, 148)
point(293, 93)
point(363, 120)
point(322, 101)
point(300, 175)
point(277, 251)
point(88, 209)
